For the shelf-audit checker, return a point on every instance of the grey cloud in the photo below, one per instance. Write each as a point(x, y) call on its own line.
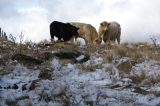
point(71, 10)
point(7, 9)
point(138, 18)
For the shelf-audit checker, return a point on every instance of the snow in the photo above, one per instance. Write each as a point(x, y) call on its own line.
point(79, 87)
point(102, 82)
point(94, 61)
point(81, 42)
point(55, 64)
point(80, 57)
point(150, 68)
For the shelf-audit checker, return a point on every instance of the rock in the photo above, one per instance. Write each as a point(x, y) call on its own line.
point(16, 101)
point(126, 66)
point(89, 103)
point(146, 83)
point(15, 86)
point(22, 97)
point(24, 87)
point(71, 54)
point(67, 54)
point(24, 102)
point(2, 62)
point(74, 55)
point(46, 55)
point(10, 102)
point(115, 86)
point(140, 90)
point(49, 44)
point(33, 85)
point(8, 87)
point(45, 74)
point(26, 59)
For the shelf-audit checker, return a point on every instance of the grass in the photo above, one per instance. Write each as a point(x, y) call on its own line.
point(156, 93)
point(138, 79)
point(4, 72)
point(154, 80)
point(138, 52)
point(122, 52)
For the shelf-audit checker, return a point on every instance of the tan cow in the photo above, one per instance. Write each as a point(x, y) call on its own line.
point(88, 32)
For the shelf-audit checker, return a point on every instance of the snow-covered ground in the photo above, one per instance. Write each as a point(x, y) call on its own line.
point(70, 85)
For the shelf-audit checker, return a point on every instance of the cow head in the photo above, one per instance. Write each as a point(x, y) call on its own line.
point(75, 31)
point(104, 26)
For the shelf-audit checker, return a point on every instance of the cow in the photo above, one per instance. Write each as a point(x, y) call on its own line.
point(63, 31)
point(109, 31)
point(87, 32)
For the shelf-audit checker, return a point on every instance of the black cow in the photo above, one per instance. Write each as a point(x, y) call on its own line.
point(63, 31)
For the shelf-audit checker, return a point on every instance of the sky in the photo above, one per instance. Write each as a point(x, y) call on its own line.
point(139, 19)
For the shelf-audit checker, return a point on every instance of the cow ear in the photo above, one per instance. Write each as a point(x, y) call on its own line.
point(101, 24)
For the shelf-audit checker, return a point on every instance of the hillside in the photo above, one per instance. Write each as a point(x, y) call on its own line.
point(61, 74)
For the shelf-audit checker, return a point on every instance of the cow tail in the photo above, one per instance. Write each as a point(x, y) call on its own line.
point(119, 34)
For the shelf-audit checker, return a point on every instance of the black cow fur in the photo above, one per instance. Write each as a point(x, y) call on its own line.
point(63, 31)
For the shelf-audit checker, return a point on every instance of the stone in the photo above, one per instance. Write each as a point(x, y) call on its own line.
point(45, 74)
point(125, 66)
point(24, 87)
point(33, 85)
point(26, 59)
point(72, 55)
point(46, 56)
point(15, 86)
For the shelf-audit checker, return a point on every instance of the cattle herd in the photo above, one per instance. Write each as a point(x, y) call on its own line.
point(107, 32)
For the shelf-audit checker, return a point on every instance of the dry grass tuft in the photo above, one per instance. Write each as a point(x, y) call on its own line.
point(122, 52)
point(138, 79)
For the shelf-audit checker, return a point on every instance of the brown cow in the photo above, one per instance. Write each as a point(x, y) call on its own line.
point(87, 31)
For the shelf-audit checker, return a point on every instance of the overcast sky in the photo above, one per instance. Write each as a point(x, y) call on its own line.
point(138, 18)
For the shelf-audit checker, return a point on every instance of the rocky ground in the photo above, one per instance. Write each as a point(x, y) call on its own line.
point(62, 74)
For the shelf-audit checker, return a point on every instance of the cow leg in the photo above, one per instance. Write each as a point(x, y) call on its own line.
point(75, 40)
point(118, 40)
point(109, 43)
point(86, 41)
point(59, 38)
point(72, 39)
point(108, 40)
point(100, 39)
point(104, 40)
point(52, 39)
